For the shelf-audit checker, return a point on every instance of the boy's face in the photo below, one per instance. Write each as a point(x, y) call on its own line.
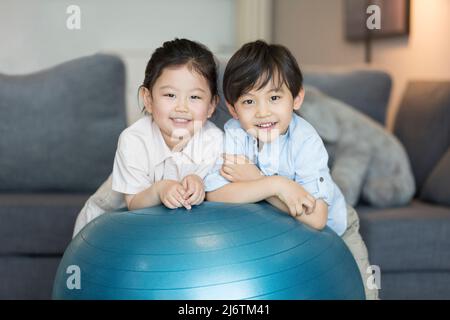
point(266, 113)
point(180, 103)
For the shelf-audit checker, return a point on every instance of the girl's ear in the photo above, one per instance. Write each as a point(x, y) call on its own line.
point(212, 106)
point(232, 111)
point(298, 99)
point(147, 99)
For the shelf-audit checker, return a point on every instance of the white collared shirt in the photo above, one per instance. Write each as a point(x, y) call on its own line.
point(143, 157)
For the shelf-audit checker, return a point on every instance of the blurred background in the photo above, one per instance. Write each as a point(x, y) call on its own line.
point(35, 36)
point(68, 90)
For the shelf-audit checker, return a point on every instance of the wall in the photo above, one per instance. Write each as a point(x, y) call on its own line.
point(34, 35)
point(253, 20)
point(424, 55)
point(314, 31)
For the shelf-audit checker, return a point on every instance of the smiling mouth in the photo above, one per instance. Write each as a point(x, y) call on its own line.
point(266, 125)
point(180, 120)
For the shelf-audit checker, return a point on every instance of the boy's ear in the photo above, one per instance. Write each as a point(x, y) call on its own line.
point(147, 99)
point(232, 111)
point(298, 99)
point(213, 106)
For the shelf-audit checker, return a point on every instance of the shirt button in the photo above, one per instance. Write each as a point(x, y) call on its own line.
point(321, 179)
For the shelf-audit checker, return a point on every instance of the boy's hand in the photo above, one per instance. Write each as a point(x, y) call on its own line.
point(172, 193)
point(238, 168)
point(195, 190)
point(295, 197)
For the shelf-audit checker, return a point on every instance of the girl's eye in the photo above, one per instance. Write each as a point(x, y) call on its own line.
point(170, 95)
point(195, 97)
point(248, 101)
point(274, 98)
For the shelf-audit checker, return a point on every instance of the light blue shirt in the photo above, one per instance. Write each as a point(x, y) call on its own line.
point(299, 155)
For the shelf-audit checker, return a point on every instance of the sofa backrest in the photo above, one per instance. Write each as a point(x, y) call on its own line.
point(59, 127)
point(423, 126)
point(368, 91)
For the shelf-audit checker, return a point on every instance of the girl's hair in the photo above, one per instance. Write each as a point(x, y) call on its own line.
point(180, 52)
point(255, 64)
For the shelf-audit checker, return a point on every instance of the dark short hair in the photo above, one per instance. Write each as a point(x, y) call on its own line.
point(255, 64)
point(180, 52)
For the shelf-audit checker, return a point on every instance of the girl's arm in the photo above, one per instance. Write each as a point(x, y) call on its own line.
point(168, 192)
point(146, 198)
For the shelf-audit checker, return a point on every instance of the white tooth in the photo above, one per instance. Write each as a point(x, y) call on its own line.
point(266, 125)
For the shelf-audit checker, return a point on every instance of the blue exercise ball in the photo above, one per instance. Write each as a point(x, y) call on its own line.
point(214, 251)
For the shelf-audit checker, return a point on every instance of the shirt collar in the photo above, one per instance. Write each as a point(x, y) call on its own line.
point(163, 152)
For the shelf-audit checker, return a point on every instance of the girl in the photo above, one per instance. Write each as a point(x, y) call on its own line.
point(164, 156)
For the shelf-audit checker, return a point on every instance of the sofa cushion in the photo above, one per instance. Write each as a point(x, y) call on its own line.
point(357, 147)
point(38, 223)
point(423, 125)
point(59, 127)
point(410, 238)
point(27, 277)
point(367, 91)
point(415, 285)
point(437, 187)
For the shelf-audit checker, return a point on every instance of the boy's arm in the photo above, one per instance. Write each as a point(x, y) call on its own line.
point(238, 168)
point(269, 188)
point(317, 219)
point(243, 192)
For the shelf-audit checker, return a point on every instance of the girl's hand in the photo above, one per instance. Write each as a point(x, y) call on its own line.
point(195, 190)
point(238, 168)
point(172, 194)
point(295, 197)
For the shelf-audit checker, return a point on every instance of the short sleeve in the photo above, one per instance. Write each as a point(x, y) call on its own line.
point(232, 144)
point(212, 152)
point(311, 169)
point(130, 172)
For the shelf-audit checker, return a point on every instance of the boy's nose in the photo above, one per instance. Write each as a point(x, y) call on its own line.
point(263, 111)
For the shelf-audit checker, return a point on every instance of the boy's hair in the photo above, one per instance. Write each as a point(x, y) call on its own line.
point(255, 64)
point(180, 52)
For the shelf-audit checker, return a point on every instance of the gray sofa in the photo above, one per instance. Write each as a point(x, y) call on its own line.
point(410, 244)
point(58, 135)
point(47, 176)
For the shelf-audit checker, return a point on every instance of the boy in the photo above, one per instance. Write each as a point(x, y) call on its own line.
point(274, 155)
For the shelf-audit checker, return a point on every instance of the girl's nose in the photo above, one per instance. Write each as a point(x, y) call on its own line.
point(182, 106)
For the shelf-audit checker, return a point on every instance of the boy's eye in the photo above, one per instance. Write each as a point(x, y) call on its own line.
point(247, 101)
point(195, 97)
point(274, 98)
point(170, 95)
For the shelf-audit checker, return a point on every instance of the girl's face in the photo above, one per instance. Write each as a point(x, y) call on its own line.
point(180, 103)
